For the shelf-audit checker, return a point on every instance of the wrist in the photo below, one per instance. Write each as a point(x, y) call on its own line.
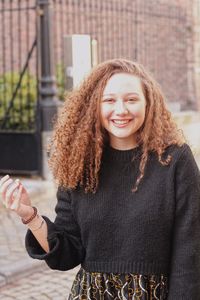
point(36, 223)
point(25, 212)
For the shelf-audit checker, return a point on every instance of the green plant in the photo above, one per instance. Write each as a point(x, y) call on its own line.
point(18, 114)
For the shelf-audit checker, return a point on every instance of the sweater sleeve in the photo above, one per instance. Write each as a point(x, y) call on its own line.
point(63, 235)
point(184, 280)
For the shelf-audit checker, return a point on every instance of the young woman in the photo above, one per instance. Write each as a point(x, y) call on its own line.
point(128, 195)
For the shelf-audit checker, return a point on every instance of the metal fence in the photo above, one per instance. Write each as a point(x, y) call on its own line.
point(19, 105)
point(18, 67)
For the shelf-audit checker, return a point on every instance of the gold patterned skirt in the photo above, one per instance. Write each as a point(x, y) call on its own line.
point(114, 286)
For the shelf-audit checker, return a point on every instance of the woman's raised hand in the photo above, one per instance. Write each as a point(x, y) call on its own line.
point(15, 197)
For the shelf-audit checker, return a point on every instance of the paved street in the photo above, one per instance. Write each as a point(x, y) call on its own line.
point(44, 285)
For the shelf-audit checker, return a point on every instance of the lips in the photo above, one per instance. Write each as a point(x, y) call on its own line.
point(121, 122)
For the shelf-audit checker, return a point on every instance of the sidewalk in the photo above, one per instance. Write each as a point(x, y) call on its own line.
point(14, 260)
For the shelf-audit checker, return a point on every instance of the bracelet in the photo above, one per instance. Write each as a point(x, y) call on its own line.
point(32, 217)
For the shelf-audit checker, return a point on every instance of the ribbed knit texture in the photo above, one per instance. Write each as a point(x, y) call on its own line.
point(153, 231)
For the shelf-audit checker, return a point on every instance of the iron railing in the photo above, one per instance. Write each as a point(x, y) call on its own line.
point(18, 65)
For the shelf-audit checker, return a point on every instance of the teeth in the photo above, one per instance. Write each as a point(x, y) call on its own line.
point(121, 121)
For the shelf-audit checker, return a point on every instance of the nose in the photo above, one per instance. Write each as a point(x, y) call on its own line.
point(120, 107)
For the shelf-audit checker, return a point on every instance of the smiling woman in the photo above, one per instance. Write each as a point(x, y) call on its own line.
point(128, 193)
point(122, 110)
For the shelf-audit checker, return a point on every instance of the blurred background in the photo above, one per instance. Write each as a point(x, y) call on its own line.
point(46, 48)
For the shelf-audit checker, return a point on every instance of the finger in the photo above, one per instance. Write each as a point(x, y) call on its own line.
point(3, 196)
point(4, 187)
point(3, 179)
point(16, 202)
point(9, 193)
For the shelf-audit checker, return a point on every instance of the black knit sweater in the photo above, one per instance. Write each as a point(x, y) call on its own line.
point(153, 231)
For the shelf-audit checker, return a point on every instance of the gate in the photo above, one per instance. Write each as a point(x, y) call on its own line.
point(20, 141)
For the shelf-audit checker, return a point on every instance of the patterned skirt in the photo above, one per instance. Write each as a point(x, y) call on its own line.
point(114, 286)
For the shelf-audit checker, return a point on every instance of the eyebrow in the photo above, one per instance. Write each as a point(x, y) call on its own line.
point(127, 94)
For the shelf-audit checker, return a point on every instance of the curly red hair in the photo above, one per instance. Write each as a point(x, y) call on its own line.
point(78, 139)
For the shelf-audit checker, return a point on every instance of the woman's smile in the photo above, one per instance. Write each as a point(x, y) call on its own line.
point(121, 123)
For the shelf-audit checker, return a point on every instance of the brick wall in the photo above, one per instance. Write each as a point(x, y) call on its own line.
point(17, 33)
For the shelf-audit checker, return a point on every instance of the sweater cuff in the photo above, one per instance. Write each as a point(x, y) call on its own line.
point(33, 247)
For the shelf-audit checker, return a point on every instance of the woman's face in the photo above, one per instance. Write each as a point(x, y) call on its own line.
point(122, 110)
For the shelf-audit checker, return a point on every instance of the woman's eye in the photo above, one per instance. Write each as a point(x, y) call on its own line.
point(132, 100)
point(110, 100)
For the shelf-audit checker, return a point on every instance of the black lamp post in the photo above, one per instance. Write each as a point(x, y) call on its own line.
point(47, 83)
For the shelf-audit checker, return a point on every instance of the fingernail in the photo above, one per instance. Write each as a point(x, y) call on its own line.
point(4, 177)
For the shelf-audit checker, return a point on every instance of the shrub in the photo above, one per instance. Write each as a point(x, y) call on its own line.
point(22, 113)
